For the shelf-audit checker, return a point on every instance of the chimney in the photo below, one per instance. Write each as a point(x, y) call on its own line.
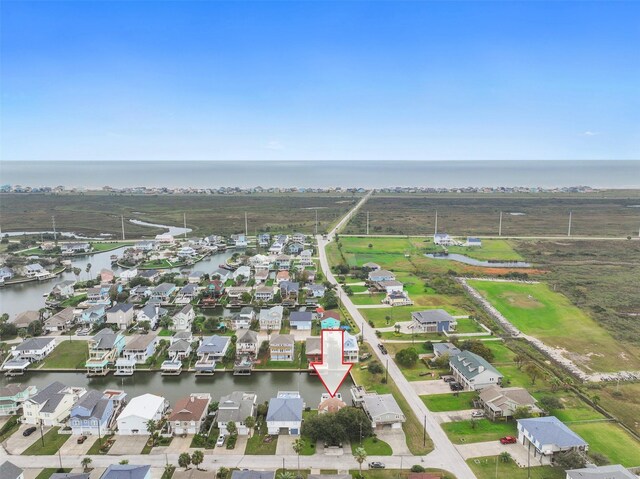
point(193, 399)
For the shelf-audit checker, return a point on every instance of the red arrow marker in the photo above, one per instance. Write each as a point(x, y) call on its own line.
point(332, 370)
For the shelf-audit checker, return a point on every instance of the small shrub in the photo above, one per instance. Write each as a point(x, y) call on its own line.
point(417, 468)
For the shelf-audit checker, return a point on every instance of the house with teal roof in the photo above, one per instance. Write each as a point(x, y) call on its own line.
point(330, 323)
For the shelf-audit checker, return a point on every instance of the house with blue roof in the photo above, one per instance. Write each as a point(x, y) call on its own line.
point(127, 471)
point(548, 436)
point(93, 414)
point(93, 315)
point(301, 320)
point(285, 413)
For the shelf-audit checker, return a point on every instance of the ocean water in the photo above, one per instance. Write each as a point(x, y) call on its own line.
point(303, 174)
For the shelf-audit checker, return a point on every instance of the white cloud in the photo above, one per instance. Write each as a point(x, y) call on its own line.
point(590, 133)
point(273, 145)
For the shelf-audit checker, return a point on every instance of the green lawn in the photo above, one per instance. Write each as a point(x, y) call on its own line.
point(9, 427)
point(482, 430)
point(537, 310)
point(52, 442)
point(100, 247)
point(74, 301)
point(67, 355)
point(373, 446)
point(309, 448)
point(611, 440)
point(449, 402)
point(491, 249)
point(50, 471)
point(401, 313)
point(468, 325)
point(257, 446)
point(491, 467)
point(395, 473)
point(368, 299)
point(300, 360)
point(501, 353)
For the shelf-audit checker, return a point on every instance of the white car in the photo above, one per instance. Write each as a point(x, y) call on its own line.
point(477, 414)
point(220, 441)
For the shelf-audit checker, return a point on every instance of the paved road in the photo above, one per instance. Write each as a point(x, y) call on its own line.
point(504, 237)
point(445, 455)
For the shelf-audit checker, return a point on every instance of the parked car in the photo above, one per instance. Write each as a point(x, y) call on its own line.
point(376, 465)
point(448, 379)
point(220, 441)
point(477, 414)
point(382, 348)
point(508, 440)
point(81, 439)
point(28, 431)
point(456, 386)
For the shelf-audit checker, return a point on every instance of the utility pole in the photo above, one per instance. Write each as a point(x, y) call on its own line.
point(500, 226)
point(569, 231)
point(316, 221)
point(53, 221)
point(424, 432)
point(246, 227)
point(435, 232)
point(122, 217)
point(367, 223)
point(185, 224)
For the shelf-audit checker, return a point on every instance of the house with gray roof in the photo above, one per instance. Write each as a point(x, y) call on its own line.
point(613, 471)
point(94, 413)
point(548, 436)
point(121, 315)
point(183, 319)
point(127, 471)
point(236, 407)
point(61, 321)
point(473, 371)
point(246, 474)
point(301, 320)
point(282, 347)
point(285, 414)
point(440, 349)
point(211, 349)
point(247, 343)
point(501, 403)
point(52, 405)
point(433, 321)
point(151, 313)
point(383, 410)
point(271, 319)
point(34, 349)
point(9, 470)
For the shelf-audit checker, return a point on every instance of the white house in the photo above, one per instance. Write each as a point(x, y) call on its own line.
point(247, 343)
point(133, 418)
point(140, 347)
point(121, 315)
point(443, 239)
point(244, 271)
point(473, 242)
point(383, 410)
point(271, 319)
point(52, 405)
point(128, 274)
point(285, 414)
point(165, 238)
point(236, 407)
point(473, 371)
point(34, 349)
point(264, 293)
point(548, 436)
point(301, 320)
point(183, 319)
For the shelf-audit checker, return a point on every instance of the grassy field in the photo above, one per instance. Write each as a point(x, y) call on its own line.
point(373, 446)
point(67, 355)
point(491, 467)
point(9, 427)
point(597, 214)
point(623, 401)
point(399, 313)
point(491, 250)
point(449, 402)
point(536, 310)
point(257, 446)
point(52, 442)
point(395, 473)
point(100, 213)
point(482, 430)
point(611, 440)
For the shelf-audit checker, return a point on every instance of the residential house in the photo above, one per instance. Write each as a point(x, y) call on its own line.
point(295, 248)
point(211, 349)
point(298, 237)
point(187, 293)
point(443, 239)
point(499, 403)
point(215, 288)
point(214, 240)
point(236, 407)
point(380, 275)
point(35, 270)
point(104, 348)
point(94, 315)
point(146, 245)
point(247, 474)
point(301, 320)
point(128, 274)
point(222, 274)
point(247, 343)
point(106, 275)
point(140, 292)
point(473, 371)
point(289, 291)
point(473, 242)
point(351, 349)
point(93, 414)
point(263, 240)
point(183, 319)
point(140, 347)
point(6, 273)
point(34, 349)
point(264, 293)
point(383, 410)
point(282, 276)
point(151, 313)
point(239, 241)
point(371, 266)
point(235, 293)
point(98, 295)
point(271, 319)
point(284, 414)
point(9, 470)
point(283, 262)
point(613, 471)
point(242, 273)
point(163, 292)
point(165, 238)
point(13, 395)
point(261, 274)
point(189, 414)
point(440, 349)
point(433, 321)
point(306, 258)
point(195, 277)
point(52, 405)
point(24, 319)
point(152, 275)
point(74, 248)
point(330, 404)
point(127, 471)
point(282, 347)
point(244, 318)
point(397, 299)
point(548, 436)
point(141, 409)
point(63, 290)
point(186, 252)
point(121, 315)
point(390, 286)
point(330, 323)
point(316, 290)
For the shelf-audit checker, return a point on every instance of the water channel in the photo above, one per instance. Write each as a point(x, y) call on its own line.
point(460, 258)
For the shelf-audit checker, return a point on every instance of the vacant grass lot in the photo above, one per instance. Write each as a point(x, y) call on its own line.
point(52, 442)
point(623, 401)
point(373, 446)
point(395, 473)
point(550, 316)
point(449, 402)
point(100, 213)
point(67, 355)
point(611, 440)
point(491, 250)
point(257, 446)
point(482, 430)
point(491, 467)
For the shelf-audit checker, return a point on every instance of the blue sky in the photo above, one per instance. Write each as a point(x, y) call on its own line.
point(320, 80)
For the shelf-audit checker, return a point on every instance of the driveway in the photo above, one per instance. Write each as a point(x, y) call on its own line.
point(494, 448)
point(285, 445)
point(72, 448)
point(17, 443)
point(453, 416)
point(127, 445)
point(396, 439)
point(241, 445)
point(431, 387)
point(192, 474)
point(31, 473)
point(178, 446)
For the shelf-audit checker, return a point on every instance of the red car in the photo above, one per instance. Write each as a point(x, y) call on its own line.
point(508, 440)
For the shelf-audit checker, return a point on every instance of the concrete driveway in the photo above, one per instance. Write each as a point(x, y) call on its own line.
point(285, 445)
point(178, 446)
point(431, 387)
point(72, 448)
point(127, 445)
point(241, 445)
point(494, 448)
point(453, 416)
point(396, 439)
point(17, 443)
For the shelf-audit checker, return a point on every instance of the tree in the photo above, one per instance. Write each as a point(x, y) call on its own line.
point(396, 328)
point(124, 461)
point(223, 472)
point(505, 456)
point(76, 272)
point(549, 403)
point(387, 319)
point(184, 460)
point(298, 446)
point(197, 458)
point(250, 422)
point(407, 357)
point(286, 475)
point(85, 463)
point(232, 428)
point(152, 428)
point(360, 455)
point(570, 460)
point(533, 371)
point(375, 367)
point(477, 347)
point(88, 269)
point(35, 328)
point(521, 412)
point(519, 359)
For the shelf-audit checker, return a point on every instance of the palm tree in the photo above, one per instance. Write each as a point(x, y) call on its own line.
point(505, 456)
point(197, 458)
point(298, 446)
point(85, 463)
point(361, 455)
point(152, 427)
point(88, 269)
point(184, 460)
point(250, 422)
point(286, 475)
point(76, 272)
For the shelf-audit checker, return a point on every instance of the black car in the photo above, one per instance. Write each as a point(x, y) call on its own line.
point(376, 465)
point(456, 386)
point(382, 348)
point(28, 431)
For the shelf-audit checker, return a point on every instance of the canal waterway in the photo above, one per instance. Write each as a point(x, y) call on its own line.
point(265, 384)
point(460, 258)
